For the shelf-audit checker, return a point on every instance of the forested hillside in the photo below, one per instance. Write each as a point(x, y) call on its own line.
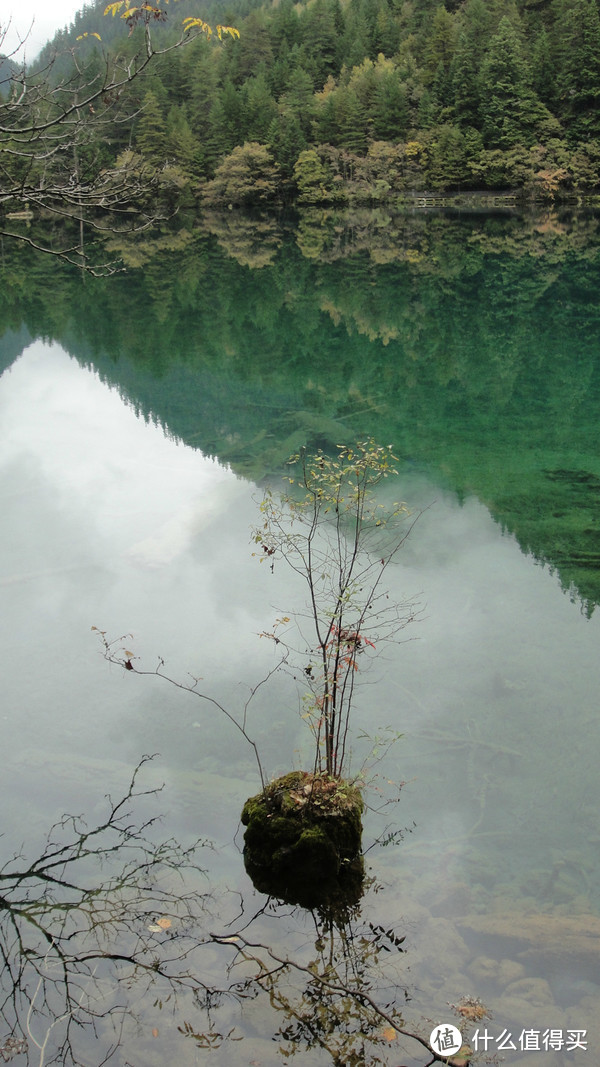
point(365, 100)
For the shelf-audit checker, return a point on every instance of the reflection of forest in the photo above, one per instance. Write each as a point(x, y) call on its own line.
point(470, 343)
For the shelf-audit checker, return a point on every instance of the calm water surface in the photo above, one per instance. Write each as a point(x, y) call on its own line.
point(110, 520)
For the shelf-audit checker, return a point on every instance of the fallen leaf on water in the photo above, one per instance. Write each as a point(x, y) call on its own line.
point(155, 1032)
point(389, 1033)
point(163, 923)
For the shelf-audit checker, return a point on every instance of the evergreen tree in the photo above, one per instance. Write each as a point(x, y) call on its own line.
point(287, 140)
point(386, 32)
point(319, 28)
point(261, 109)
point(446, 158)
point(312, 178)
point(212, 148)
point(151, 137)
point(181, 144)
point(231, 104)
point(578, 76)
point(298, 99)
point(325, 124)
point(543, 70)
point(204, 90)
point(439, 51)
point(390, 108)
point(284, 27)
point(464, 84)
point(510, 111)
point(357, 43)
point(351, 120)
point(280, 72)
point(253, 50)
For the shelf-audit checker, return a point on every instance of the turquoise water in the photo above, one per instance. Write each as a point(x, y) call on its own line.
point(131, 469)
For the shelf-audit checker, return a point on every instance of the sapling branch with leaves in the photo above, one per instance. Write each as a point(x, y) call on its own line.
point(332, 531)
point(335, 534)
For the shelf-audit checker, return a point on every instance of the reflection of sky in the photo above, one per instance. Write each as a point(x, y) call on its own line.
point(106, 522)
point(86, 448)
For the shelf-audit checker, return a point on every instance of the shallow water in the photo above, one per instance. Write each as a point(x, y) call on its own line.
point(109, 522)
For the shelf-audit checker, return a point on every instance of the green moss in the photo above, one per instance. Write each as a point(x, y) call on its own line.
point(303, 840)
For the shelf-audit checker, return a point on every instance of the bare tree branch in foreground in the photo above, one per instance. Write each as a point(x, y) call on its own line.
point(53, 130)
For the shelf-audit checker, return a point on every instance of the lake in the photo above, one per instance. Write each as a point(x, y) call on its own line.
point(142, 416)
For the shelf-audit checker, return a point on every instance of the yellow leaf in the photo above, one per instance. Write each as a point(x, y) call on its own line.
point(389, 1033)
point(164, 923)
point(112, 9)
point(195, 23)
point(231, 30)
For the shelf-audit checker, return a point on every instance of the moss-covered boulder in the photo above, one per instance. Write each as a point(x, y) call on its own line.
point(303, 840)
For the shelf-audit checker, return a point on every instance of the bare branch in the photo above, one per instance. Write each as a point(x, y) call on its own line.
point(114, 651)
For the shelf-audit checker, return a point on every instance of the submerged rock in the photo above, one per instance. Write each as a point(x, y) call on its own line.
point(303, 840)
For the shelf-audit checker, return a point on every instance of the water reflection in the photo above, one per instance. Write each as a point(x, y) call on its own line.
point(471, 343)
point(103, 920)
point(112, 940)
point(497, 700)
point(339, 996)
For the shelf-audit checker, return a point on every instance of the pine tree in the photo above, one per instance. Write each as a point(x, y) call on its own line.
point(181, 144)
point(510, 111)
point(351, 120)
point(287, 140)
point(151, 136)
point(320, 30)
point(464, 85)
point(253, 51)
point(578, 78)
point(439, 49)
point(260, 109)
point(543, 70)
point(390, 108)
point(298, 99)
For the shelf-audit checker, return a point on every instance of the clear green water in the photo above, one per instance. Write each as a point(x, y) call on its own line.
point(132, 448)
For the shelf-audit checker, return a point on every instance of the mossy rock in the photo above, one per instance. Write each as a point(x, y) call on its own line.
point(303, 840)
